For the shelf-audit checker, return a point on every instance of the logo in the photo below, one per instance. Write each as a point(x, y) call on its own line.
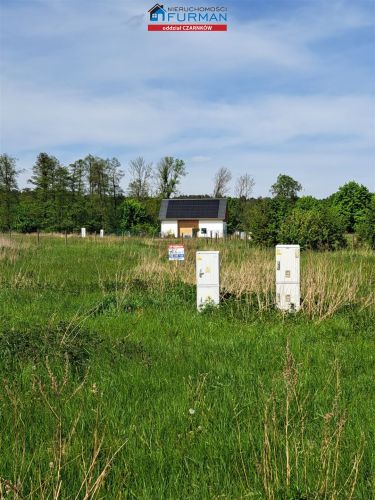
point(193, 18)
point(157, 13)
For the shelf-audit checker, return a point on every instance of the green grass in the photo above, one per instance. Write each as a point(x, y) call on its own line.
point(115, 388)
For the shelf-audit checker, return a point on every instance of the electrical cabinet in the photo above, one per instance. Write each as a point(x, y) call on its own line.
point(101, 234)
point(207, 295)
point(288, 277)
point(208, 278)
point(287, 264)
point(83, 232)
point(288, 296)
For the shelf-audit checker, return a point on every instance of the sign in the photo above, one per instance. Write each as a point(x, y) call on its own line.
point(176, 252)
point(188, 18)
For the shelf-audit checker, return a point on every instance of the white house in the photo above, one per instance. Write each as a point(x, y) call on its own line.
point(204, 218)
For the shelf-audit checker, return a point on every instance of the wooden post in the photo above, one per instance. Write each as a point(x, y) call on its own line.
point(66, 237)
point(38, 236)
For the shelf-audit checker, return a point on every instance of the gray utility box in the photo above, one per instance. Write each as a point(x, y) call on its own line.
point(288, 295)
point(208, 278)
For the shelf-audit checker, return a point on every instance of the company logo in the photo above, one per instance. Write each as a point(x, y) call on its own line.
point(157, 13)
point(194, 18)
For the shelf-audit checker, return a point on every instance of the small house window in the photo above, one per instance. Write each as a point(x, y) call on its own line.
point(204, 230)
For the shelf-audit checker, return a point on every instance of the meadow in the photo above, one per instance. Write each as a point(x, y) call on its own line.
point(113, 386)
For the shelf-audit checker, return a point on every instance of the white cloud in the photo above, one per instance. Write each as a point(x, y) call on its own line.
point(78, 80)
point(154, 118)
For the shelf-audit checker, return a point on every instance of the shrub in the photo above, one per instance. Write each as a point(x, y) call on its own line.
point(265, 218)
point(352, 200)
point(366, 225)
point(316, 229)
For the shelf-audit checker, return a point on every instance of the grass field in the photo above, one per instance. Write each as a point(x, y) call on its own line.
point(113, 386)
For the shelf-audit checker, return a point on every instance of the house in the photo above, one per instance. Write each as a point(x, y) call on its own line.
point(156, 11)
point(204, 218)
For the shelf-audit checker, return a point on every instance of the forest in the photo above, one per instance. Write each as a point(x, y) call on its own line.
point(89, 193)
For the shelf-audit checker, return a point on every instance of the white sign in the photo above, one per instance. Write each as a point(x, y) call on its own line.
point(176, 252)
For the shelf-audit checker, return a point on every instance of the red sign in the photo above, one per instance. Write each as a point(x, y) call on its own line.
point(187, 27)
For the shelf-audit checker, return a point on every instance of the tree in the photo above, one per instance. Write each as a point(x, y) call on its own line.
point(286, 187)
point(261, 222)
point(140, 173)
point(133, 215)
point(221, 182)
point(352, 200)
point(307, 203)
point(62, 199)
point(365, 227)
point(244, 186)
point(77, 178)
point(44, 178)
point(8, 190)
point(316, 229)
point(115, 174)
point(99, 174)
point(235, 220)
point(168, 175)
point(78, 189)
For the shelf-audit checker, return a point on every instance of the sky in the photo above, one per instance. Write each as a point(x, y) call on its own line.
point(288, 89)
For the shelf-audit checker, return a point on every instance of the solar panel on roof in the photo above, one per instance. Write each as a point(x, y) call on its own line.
point(193, 209)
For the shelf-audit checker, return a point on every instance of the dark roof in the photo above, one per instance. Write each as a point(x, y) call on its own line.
point(193, 209)
point(155, 7)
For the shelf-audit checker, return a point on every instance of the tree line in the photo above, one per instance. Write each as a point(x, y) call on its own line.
point(88, 193)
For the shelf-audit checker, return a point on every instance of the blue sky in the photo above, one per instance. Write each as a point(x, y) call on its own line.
point(288, 89)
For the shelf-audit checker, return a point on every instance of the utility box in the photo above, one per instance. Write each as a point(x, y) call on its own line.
point(288, 297)
point(83, 232)
point(288, 277)
point(101, 233)
point(208, 278)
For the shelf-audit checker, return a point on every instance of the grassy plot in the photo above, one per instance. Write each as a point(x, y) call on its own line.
point(113, 386)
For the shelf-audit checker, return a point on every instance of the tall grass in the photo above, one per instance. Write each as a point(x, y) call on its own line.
point(329, 281)
point(113, 386)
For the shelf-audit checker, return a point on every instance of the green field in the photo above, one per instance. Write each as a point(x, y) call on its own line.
point(113, 386)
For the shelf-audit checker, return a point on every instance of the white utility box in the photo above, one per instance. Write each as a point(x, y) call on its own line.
point(288, 297)
point(288, 277)
point(208, 278)
point(83, 232)
point(101, 234)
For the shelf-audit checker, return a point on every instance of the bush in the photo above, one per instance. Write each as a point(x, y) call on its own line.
point(265, 218)
point(366, 225)
point(352, 200)
point(261, 222)
point(138, 218)
point(317, 229)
